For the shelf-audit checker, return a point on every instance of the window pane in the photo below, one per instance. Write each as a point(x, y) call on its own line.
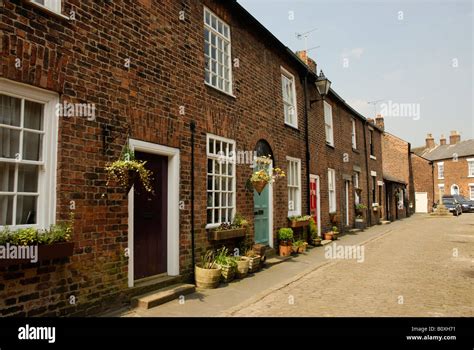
point(209, 200)
point(26, 210)
point(9, 143)
point(210, 164)
point(6, 210)
point(10, 109)
point(28, 178)
point(32, 146)
point(33, 115)
point(7, 174)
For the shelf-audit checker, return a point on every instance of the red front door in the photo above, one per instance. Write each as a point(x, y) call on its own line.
point(150, 219)
point(313, 199)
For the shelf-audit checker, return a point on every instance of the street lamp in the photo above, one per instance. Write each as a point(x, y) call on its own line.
point(322, 84)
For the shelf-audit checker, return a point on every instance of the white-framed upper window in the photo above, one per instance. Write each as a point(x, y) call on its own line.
point(52, 5)
point(470, 167)
point(354, 134)
point(220, 180)
point(289, 97)
point(441, 170)
point(332, 190)
point(294, 186)
point(454, 189)
point(329, 124)
point(28, 147)
point(217, 52)
point(471, 192)
point(356, 185)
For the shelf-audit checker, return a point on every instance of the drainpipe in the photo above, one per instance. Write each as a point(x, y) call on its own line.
point(369, 205)
point(193, 132)
point(411, 181)
point(308, 156)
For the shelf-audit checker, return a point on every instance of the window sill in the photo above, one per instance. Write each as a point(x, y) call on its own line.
point(292, 126)
point(47, 10)
point(212, 226)
point(440, 178)
point(373, 157)
point(330, 145)
point(219, 90)
point(471, 176)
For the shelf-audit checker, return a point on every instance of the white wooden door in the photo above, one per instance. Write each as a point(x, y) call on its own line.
point(421, 202)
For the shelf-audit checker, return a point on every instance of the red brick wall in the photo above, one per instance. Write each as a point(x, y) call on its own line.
point(423, 177)
point(83, 61)
point(455, 172)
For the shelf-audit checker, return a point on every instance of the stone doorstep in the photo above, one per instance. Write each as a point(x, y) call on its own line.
point(385, 222)
point(164, 295)
point(326, 241)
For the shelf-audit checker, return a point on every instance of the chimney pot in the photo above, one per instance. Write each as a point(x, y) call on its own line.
point(379, 121)
point(430, 141)
point(442, 140)
point(454, 138)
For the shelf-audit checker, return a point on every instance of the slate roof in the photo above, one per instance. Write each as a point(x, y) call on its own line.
point(462, 149)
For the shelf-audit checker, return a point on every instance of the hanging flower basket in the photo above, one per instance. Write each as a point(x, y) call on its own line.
point(259, 186)
point(127, 170)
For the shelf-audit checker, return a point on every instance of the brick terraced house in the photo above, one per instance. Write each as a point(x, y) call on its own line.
point(453, 165)
point(185, 85)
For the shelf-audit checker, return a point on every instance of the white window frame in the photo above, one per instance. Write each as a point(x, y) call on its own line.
point(354, 134)
point(329, 124)
point(289, 107)
point(226, 64)
point(46, 202)
point(332, 190)
point(471, 191)
point(220, 159)
point(452, 189)
point(470, 167)
point(440, 170)
point(294, 185)
point(51, 5)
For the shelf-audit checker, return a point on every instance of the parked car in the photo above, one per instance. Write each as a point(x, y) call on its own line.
point(452, 205)
point(466, 204)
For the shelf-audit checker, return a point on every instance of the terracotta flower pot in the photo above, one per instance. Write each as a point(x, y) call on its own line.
point(259, 186)
point(328, 236)
point(285, 250)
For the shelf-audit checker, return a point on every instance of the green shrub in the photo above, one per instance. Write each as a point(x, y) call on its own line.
point(285, 234)
point(313, 229)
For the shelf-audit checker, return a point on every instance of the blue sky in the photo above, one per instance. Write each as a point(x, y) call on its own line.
point(414, 55)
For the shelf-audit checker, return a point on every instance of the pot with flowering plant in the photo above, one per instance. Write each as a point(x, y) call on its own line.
point(127, 169)
point(265, 175)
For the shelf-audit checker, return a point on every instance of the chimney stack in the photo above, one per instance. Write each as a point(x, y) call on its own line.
point(454, 137)
point(370, 120)
point(442, 140)
point(303, 55)
point(379, 122)
point(430, 141)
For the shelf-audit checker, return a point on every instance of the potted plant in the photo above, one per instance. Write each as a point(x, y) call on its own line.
point(328, 236)
point(335, 232)
point(375, 207)
point(359, 222)
point(298, 221)
point(127, 169)
point(313, 231)
point(263, 176)
point(285, 237)
point(207, 274)
point(53, 243)
point(360, 208)
point(242, 268)
point(237, 228)
point(254, 260)
point(299, 246)
point(227, 264)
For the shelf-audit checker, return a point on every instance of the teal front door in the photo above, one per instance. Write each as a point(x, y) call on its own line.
point(261, 212)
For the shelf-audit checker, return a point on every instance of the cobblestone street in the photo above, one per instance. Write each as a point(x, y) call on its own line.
point(422, 267)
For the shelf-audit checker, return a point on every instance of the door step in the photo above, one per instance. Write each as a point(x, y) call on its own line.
point(326, 241)
point(147, 301)
point(275, 260)
point(385, 222)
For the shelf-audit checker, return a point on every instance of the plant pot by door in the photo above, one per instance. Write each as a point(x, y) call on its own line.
point(227, 273)
point(328, 236)
point(242, 267)
point(207, 278)
point(255, 263)
point(285, 250)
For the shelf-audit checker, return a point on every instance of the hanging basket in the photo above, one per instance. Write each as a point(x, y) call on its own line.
point(259, 186)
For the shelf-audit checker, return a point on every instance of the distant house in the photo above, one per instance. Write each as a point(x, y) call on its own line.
point(453, 163)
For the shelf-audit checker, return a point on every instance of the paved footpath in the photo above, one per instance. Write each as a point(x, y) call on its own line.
point(420, 266)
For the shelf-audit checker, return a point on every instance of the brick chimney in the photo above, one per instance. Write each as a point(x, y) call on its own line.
point(430, 141)
point(370, 120)
point(303, 55)
point(442, 140)
point(379, 122)
point(454, 137)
